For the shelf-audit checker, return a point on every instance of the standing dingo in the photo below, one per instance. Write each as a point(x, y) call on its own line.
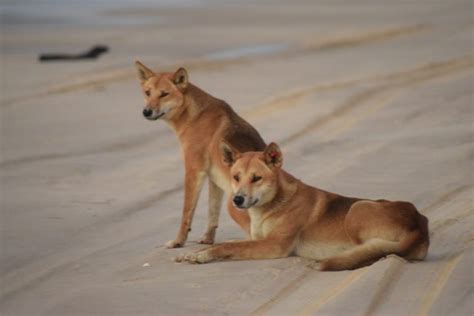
point(200, 121)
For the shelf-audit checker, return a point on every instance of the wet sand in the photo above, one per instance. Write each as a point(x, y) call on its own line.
point(371, 99)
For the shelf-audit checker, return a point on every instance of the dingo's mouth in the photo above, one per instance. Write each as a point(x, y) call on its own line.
point(253, 204)
point(154, 118)
point(245, 207)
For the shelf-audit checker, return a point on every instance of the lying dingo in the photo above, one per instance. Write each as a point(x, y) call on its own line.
point(200, 121)
point(289, 217)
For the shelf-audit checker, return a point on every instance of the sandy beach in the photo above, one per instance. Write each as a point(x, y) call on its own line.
point(368, 98)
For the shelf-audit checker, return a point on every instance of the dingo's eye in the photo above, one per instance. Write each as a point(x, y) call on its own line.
point(237, 178)
point(147, 93)
point(256, 178)
point(163, 94)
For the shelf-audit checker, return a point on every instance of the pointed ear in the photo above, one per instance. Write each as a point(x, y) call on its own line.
point(180, 78)
point(229, 154)
point(272, 155)
point(144, 73)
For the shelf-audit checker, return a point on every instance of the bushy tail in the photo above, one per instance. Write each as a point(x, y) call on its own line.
point(371, 251)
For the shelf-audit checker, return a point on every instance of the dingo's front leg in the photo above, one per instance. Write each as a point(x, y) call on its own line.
point(192, 189)
point(238, 250)
point(215, 202)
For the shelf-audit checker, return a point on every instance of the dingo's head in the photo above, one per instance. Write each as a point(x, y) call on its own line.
point(254, 175)
point(163, 92)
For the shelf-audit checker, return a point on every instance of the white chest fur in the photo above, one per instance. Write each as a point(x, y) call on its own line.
point(257, 225)
point(220, 179)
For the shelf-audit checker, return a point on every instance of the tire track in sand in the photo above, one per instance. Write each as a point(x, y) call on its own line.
point(385, 284)
point(289, 99)
point(291, 287)
point(334, 291)
point(392, 82)
point(446, 197)
point(132, 143)
point(442, 277)
point(309, 47)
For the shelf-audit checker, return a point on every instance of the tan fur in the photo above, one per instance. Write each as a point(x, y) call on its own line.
point(200, 121)
point(289, 217)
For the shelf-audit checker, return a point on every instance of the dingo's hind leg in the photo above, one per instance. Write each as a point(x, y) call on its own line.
point(215, 203)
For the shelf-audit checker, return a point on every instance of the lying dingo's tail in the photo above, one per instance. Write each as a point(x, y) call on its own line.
point(374, 249)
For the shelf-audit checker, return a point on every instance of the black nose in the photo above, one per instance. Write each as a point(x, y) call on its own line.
point(238, 200)
point(147, 112)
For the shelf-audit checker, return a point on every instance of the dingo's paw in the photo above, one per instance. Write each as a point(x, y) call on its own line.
point(179, 258)
point(206, 239)
point(315, 265)
point(174, 244)
point(197, 257)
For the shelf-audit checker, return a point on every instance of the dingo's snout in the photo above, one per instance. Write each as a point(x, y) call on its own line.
point(243, 202)
point(239, 200)
point(147, 112)
point(152, 114)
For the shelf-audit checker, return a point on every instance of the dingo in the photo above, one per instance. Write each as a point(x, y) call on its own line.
point(289, 217)
point(200, 121)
